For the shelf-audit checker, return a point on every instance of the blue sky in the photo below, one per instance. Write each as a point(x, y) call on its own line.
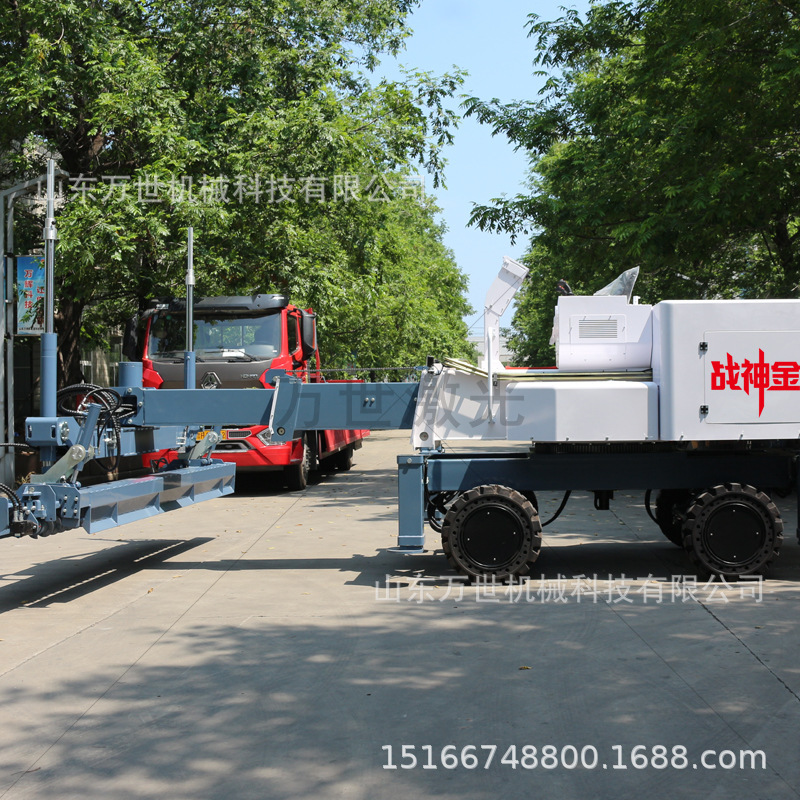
point(489, 40)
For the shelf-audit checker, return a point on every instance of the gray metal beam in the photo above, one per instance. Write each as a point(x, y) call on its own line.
point(300, 406)
point(610, 471)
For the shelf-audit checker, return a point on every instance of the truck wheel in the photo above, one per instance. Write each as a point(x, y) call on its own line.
point(296, 475)
point(491, 531)
point(732, 530)
point(343, 460)
point(671, 505)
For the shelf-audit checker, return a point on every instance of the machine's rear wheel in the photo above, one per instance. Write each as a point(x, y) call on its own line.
point(491, 531)
point(671, 505)
point(732, 530)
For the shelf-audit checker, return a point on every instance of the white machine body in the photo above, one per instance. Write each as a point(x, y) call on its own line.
point(682, 370)
point(727, 369)
point(455, 406)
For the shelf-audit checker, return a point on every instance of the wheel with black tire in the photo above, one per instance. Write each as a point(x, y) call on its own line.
point(530, 496)
point(732, 530)
point(671, 505)
point(491, 531)
point(296, 475)
point(343, 460)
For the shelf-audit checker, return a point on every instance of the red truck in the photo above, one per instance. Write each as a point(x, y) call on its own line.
point(237, 341)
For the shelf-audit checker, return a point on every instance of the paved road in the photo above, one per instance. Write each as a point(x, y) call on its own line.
point(240, 649)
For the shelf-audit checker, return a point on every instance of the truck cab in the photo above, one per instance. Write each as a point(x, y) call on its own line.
point(237, 342)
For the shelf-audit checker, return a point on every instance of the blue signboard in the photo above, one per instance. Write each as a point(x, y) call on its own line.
point(30, 295)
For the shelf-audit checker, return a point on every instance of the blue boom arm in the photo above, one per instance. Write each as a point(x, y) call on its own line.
point(165, 419)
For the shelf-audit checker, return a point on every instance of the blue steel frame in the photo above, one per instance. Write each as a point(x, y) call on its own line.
point(292, 408)
point(161, 419)
point(560, 471)
point(97, 508)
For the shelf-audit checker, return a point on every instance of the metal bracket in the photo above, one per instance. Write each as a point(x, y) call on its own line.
point(204, 446)
point(271, 423)
point(285, 404)
point(66, 466)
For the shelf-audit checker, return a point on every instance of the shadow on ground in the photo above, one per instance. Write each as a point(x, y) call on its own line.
point(62, 580)
point(291, 709)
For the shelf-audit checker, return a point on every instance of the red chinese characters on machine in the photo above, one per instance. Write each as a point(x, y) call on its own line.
point(761, 376)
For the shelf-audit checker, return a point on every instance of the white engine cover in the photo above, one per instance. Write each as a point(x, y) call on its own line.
point(602, 333)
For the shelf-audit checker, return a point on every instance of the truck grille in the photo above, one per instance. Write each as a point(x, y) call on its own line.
point(237, 434)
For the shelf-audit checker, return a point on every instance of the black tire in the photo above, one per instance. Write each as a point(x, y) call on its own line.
point(531, 498)
point(671, 506)
point(732, 530)
point(343, 460)
point(296, 475)
point(491, 531)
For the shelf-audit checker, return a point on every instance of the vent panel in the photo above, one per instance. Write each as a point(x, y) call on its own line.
point(598, 329)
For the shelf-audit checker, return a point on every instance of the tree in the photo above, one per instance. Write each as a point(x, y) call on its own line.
point(405, 302)
point(228, 116)
point(666, 137)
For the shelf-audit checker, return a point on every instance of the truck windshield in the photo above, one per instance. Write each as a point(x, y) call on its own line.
point(228, 337)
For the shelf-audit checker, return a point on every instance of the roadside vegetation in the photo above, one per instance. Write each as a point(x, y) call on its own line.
point(667, 136)
point(256, 122)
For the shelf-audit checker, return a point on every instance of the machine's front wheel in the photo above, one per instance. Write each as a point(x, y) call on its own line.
point(491, 531)
point(732, 530)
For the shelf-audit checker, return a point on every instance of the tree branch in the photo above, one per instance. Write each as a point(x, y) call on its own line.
point(792, 13)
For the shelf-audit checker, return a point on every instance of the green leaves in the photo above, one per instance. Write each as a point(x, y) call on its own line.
point(161, 97)
point(665, 137)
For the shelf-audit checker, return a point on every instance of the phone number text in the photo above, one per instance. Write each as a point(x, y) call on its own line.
point(484, 756)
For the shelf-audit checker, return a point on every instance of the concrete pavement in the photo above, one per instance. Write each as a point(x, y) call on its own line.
point(267, 645)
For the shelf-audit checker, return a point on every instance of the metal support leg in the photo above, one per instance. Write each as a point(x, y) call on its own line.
point(411, 503)
point(130, 374)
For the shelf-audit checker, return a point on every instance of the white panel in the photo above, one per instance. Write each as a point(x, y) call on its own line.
point(684, 368)
point(610, 411)
point(752, 376)
point(454, 406)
